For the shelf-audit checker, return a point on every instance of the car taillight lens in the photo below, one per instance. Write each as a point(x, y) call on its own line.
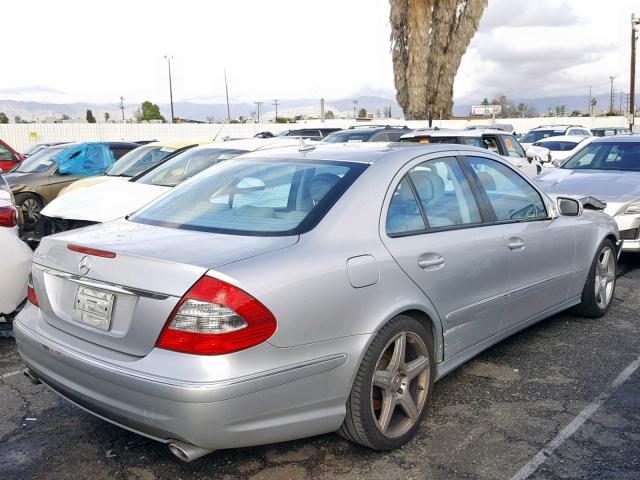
point(31, 293)
point(214, 318)
point(8, 217)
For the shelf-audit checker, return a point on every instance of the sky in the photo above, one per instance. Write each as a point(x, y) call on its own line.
point(68, 50)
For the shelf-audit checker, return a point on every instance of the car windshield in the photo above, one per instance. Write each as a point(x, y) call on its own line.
point(349, 136)
point(34, 149)
point(536, 135)
point(557, 146)
point(40, 161)
point(254, 197)
point(138, 160)
point(606, 156)
point(186, 165)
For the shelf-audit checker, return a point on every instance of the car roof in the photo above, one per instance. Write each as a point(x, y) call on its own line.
point(562, 138)
point(360, 152)
point(251, 144)
point(444, 132)
point(633, 138)
point(177, 144)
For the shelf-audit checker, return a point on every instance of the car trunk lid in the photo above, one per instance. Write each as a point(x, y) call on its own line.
point(138, 287)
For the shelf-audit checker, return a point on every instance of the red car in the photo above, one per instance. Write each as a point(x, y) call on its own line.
point(9, 158)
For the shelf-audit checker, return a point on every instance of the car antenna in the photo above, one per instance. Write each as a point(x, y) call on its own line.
point(304, 147)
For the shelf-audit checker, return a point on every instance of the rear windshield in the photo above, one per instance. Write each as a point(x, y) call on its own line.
point(254, 197)
point(341, 137)
point(536, 135)
point(557, 146)
point(186, 165)
point(606, 156)
point(472, 141)
point(138, 160)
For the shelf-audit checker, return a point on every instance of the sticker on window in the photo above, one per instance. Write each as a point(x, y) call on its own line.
point(508, 143)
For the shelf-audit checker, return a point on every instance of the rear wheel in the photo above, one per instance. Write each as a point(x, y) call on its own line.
point(601, 283)
point(392, 387)
point(30, 206)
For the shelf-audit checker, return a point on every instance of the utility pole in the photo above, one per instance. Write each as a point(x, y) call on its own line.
point(258, 105)
point(322, 110)
point(170, 87)
point(611, 101)
point(275, 103)
point(226, 91)
point(632, 84)
point(589, 104)
point(355, 108)
point(122, 107)
point(621, 95)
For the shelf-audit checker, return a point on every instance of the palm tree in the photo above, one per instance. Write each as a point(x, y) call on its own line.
point(428, 39)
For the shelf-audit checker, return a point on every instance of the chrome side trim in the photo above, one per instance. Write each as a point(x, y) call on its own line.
point(103, 285)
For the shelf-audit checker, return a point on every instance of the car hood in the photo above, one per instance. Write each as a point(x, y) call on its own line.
point(616, 188)
point(88, 182)
point(103, 202)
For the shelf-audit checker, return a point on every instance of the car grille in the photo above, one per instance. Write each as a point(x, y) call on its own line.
point(630, 234)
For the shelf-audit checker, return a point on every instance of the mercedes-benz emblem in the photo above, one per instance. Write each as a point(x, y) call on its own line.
point(85, 265)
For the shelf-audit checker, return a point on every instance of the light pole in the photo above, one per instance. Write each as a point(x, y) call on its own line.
point(275, 103)
point(355, 107)
point(170, 87)
point(258, 105)
point(122, 107)
point(632, 84)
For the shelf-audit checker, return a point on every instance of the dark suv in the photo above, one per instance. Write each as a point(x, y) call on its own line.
point(367, 133)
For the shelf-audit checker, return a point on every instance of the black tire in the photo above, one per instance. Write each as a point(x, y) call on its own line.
point(360, 424)
point(29, 204)
point(590, 306)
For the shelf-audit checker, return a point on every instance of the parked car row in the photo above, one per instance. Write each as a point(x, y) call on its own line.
point(262, 290)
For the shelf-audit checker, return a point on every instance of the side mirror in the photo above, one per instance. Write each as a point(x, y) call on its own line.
point(538, 153)
point(569, 207)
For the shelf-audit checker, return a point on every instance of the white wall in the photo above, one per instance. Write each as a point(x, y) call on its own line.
point(22, 136)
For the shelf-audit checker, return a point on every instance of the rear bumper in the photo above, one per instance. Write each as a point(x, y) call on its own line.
point(293, 400)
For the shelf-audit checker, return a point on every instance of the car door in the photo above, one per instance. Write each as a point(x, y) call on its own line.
point(540, 245)
point(434, 228)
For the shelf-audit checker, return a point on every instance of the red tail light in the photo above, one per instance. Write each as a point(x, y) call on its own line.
point(31, 293)
point(91, 251)
point(214, 318)
point(8, 217)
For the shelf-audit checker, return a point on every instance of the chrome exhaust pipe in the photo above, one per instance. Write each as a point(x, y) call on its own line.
point(187, 452)
point(32, 377)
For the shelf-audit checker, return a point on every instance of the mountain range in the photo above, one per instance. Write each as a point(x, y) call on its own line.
point(375, 102)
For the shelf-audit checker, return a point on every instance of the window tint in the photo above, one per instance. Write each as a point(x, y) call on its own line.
point(404, 213)
point(381, 137)
point(606, 156)
point(557, 146)
point(263, 198)
point(5, 153)
point(119, 151)
point(514, 149)
point(394, 136)
point(444, 193)
point(510, 195)
point(347, 136)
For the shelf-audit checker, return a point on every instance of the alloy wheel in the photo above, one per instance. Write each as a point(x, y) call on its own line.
point(605, 277)
point(30, 211)
point(400, 384)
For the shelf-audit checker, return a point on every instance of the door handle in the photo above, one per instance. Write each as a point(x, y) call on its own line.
point(516, 243)
point(430, 261)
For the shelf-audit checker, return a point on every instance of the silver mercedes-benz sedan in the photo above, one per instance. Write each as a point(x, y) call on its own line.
point(608, 169)
point(296, 292)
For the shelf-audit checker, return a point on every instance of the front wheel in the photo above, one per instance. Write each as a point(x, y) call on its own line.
point(30, 206)
point(392, 387)
point(601, 283)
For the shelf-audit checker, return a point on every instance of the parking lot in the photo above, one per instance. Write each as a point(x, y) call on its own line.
point(562, 396)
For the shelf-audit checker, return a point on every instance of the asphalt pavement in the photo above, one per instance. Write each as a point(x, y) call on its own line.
point(560, 399)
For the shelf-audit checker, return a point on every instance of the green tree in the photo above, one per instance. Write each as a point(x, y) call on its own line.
point(90, 117)
point(65, 117)
point(17, 119)
point(329, 115)
point(4, 118)
point(106, 117)
point(362, 113)
point(150, 111)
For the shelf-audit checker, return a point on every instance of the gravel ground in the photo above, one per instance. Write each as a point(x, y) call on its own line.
point(487, 420)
